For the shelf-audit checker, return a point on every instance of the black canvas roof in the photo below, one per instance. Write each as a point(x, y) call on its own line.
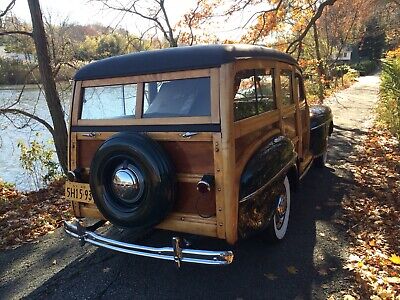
point(176, 59)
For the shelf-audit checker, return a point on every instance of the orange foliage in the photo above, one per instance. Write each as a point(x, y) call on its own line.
point(393, 53)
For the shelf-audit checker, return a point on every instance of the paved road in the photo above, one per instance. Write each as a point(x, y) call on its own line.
point(56, 267)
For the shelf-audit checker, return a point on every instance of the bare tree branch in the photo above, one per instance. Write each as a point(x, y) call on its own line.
point(16, 32)
point(170, 30)
point(16, 111)
point(8, 8)
point(294, 44)
point(167, 30)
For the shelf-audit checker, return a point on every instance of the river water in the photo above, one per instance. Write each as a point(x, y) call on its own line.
point(32, 100)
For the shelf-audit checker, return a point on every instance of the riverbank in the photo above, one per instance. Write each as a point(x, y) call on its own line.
point(25, 130)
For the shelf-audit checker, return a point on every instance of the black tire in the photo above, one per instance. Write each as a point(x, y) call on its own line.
point(279, 223)
point(152, 195)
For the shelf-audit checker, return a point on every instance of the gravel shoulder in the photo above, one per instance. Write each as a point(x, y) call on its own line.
point(308, 264)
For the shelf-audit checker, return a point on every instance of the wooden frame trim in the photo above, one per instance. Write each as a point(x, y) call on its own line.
point(147, 78)
point(215, 89)
point(189, 177)
point(229, 188)
point(278, 93)
point(299, 127)
point(245, 126)
point(214, 118)
point(189, 223)
point(139, 104)
point(254, 63)
point(159, 136)
point(75, 105)
point(145, 121)
point(219, 182)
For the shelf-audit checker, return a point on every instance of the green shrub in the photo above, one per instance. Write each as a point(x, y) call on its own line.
point(389, 104)
point(37, 159)
point(365, 67)
point(17, 72)
point(351, 75)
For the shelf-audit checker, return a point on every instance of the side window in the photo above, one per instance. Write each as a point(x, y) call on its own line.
point(300, 88)
point(109, 102)
point(254, 93)
point(286, 87)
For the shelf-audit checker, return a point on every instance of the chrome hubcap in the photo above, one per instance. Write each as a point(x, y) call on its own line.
point(281, 211)
point(128, 183)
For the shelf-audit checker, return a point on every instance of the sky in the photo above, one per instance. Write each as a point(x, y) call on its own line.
point(86, 12)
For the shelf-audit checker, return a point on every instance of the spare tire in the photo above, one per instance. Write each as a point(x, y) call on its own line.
point(132, 181)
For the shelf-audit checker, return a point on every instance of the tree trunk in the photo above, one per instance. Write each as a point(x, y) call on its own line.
point(320, 67)
point(60, 135)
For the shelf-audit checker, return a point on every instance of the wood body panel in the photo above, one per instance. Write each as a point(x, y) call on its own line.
point(189, 200)
point(194, 157)
point(188, 223)
point(191, 160)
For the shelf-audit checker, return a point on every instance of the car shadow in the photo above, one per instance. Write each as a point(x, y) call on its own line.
point(287, 270)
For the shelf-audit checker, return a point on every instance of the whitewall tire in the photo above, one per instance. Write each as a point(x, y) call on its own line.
point(280, 220)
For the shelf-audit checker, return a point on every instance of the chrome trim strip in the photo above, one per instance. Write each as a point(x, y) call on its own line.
point(320, 125)
point(284, 169)
point(166, 253)
point(306, 170)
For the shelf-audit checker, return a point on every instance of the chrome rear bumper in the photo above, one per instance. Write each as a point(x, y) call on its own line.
point(174, 253)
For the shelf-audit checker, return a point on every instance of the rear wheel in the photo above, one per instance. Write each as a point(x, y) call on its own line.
point(277, 229)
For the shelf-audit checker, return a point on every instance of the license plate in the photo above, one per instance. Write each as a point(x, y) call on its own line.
point(79, 192)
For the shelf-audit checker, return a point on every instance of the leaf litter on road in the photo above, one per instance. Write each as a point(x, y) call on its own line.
point(372, 211)
point(24, 217)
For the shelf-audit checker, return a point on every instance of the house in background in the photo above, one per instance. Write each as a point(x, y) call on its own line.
point(347, 55)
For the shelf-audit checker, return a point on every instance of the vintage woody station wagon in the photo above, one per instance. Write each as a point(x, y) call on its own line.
point(206, 140)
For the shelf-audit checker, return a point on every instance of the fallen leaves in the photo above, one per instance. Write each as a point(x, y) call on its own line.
point(395, 259)
point(372, 210)
point(26, 216)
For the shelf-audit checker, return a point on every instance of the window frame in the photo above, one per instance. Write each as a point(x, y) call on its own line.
point(213, 73)
point(123, 93)
point(302, 90)
point(290, 75)
point(272, 72)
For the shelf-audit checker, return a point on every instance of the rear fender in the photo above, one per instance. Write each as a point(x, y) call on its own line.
point(321, 127)
point(261, 181)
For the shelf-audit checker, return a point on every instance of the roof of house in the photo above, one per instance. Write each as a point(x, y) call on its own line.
point(176, 59)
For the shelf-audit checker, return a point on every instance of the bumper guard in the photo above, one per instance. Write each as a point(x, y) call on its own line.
point(174, 253)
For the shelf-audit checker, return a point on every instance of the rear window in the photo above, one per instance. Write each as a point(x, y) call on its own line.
point(109, 102)
point(177, 98)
